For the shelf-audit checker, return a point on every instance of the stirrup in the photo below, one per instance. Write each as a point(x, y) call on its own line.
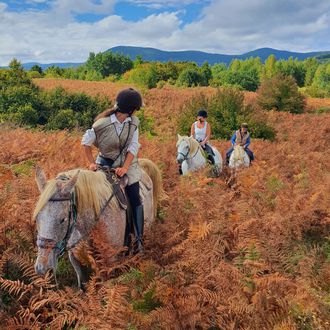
point(138, 246)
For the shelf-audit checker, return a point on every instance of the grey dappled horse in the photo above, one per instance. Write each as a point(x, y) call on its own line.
point(79, 201)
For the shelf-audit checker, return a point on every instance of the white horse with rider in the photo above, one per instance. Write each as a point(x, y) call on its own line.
point(239, 155)
point(194, 152)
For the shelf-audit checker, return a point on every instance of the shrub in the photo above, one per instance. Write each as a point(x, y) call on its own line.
point(63, 119)
point(26, 115)
point(281, 93)
point(226, 110)
point(34, 74)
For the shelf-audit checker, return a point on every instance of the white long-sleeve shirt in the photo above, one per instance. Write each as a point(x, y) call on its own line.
point(89, 137)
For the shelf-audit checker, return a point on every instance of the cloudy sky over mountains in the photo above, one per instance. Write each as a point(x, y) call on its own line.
point(67, 30)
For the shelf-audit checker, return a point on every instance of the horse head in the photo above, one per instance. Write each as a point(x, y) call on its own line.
point(183, 148)
point(55, 216)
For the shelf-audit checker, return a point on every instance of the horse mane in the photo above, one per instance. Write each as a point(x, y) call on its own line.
point(193, 144)
point(239, 152)
point(92, 190)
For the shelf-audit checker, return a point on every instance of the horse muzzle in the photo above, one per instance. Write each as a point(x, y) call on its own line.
point(46, 260)
point(180, 159)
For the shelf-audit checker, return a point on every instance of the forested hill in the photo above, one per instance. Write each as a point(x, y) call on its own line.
point(152, 54)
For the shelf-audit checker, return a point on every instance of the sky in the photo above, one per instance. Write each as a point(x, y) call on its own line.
point(48, 31)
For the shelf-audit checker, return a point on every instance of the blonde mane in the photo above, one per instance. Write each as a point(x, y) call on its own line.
point(193, 144)
point(92, 190)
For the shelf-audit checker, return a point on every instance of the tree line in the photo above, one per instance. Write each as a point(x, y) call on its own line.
point(311, 75)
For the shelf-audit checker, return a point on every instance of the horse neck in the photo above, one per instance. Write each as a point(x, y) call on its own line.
point(86, 221)
point(196, 158)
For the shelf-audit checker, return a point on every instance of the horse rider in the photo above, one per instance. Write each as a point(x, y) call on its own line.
point(201, 131)
point(115, 133)
point(241, 137)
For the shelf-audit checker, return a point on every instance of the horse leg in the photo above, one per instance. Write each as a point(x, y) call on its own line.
point(81, 271)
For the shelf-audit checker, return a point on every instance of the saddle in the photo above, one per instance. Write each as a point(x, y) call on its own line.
point(118, 185)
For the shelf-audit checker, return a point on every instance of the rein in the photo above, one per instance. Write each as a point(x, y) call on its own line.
point(62, 245)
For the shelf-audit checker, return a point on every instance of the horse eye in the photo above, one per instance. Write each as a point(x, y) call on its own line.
point(62, 220)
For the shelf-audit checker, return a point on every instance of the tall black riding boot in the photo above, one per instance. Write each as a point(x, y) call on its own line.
point(127, 238)
point(138, 222)
point(211, 159)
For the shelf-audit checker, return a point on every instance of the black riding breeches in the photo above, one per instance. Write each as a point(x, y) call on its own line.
point(208, 149)
point(133, 194)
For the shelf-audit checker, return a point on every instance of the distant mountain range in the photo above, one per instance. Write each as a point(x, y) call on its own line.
point(153, 54)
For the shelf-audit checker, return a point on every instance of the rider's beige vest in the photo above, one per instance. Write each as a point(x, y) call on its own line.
point(114, 146)
point(241, 138)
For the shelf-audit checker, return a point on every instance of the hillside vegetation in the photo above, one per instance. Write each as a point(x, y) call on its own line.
point(252, 253)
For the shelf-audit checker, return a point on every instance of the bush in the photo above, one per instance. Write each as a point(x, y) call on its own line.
point(34, 74)
point(63, 119)
point(23, 103)
point(26, 115)
point(226, 110)
point(281, 93)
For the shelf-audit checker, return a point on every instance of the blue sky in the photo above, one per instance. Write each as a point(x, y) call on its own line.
point(67, 30)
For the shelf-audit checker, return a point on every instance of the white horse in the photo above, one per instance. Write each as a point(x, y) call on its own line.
point(192, 158)
point(239, 158)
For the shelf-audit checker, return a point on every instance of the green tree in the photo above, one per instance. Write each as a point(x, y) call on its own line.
point(190, 77)
point(36, 68)
point(311, 65)
point(109, 63)
point(206, 74)
point(269, 68)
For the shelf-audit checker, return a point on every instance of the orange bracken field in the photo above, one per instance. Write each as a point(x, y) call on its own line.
point(249, 253)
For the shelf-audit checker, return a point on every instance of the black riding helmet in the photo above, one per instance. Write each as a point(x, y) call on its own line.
point(128, 100)
point(202, 113)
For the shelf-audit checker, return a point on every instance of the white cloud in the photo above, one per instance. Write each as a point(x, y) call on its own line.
point(157, 4)
point(3, 6)
point(227, 26)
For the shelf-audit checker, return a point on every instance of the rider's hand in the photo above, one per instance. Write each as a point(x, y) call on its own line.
point(93, 167)
point(121, 171)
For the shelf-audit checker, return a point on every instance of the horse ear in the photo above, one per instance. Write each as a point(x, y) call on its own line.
point(179, 137)
point(40, 178)
point(68, 186)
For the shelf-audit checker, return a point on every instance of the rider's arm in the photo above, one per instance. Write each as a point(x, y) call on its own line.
point(233, 139)
point(192, 130)
point(134, 146)
point(89, 155)
point(87, 141)
point(248, 141)
point(132, 151)
point(208, 134)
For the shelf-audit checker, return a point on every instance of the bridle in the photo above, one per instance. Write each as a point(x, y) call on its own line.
point(185, 156)
point(62, 245)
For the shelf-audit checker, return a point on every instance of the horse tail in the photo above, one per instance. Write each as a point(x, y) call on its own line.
point(156, 177)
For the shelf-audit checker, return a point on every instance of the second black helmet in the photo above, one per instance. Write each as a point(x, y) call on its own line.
point(202, 113)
